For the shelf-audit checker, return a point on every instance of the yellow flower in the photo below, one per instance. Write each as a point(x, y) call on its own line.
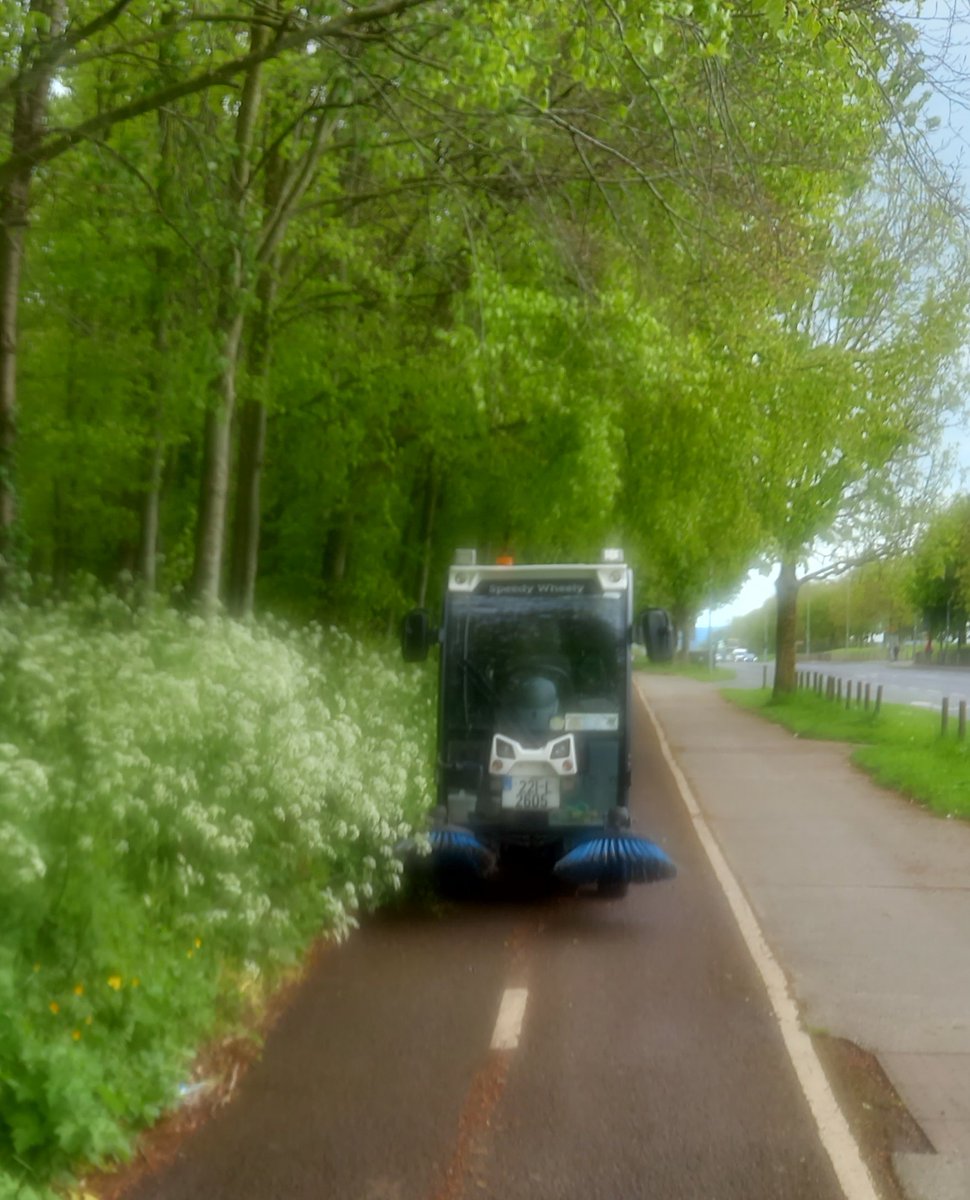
point(76, 1034)
point(54, 1007)
point(79, 989)
point(88, 1020)
point(198, 943)
point(189, 953)
point(36, 967)
point(114, 982)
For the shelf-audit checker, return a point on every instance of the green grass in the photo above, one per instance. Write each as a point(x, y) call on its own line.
point(901, 748)
point(687, 670)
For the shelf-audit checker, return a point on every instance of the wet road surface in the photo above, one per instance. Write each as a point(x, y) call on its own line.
point(646, 1063)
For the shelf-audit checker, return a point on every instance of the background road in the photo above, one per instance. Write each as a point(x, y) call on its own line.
point(649, 1064)
point(902, 683)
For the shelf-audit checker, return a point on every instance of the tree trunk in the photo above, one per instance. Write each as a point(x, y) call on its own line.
point(681, 644)
point(214, 484)
point(428, 514)
point(786, 631)
point(688, 627)
point(147, 562)
point(336, 546)
point(252, 426)
point(147, 566)
point(151, 503)
point(14, 206)
point(285, 187)
point(245, 541)
point(216, 459)
point(29, 113)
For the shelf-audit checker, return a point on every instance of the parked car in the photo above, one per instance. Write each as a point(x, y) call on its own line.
point(740, 654)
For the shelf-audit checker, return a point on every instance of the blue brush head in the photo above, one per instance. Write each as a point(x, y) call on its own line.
point(453, 846)
point(616, 858)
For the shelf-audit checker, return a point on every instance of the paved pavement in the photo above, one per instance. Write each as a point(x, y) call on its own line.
point(864, 899)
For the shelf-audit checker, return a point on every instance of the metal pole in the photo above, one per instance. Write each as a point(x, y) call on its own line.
point(808, 623)
point(848, 594)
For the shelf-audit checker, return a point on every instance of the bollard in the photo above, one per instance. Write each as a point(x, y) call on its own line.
point(858, 693)
point(848, 693)
point(878, 699)
point(838, 689)
point(830, 688)
point(944, 716)
point(867, 698)
point(962, 721)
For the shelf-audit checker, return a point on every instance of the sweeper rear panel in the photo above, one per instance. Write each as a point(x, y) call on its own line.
point(535, 694)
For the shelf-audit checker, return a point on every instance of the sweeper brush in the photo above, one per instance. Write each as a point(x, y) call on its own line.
point(615, 858)
point(455, 848)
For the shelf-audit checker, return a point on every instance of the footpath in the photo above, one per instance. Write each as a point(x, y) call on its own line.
point(863, 897)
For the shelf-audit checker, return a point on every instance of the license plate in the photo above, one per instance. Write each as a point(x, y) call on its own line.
point(530, 793)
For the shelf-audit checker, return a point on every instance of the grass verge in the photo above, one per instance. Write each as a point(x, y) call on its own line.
point(901, 748)
point(687, 670)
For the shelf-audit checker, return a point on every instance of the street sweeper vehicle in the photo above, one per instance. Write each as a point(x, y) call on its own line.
point(534, 719)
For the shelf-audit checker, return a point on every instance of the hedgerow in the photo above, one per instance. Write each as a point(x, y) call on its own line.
point(184, 805)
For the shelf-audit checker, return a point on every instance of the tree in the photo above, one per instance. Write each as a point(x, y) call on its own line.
point(853, 384)
point(940, 573)
point(57, 35)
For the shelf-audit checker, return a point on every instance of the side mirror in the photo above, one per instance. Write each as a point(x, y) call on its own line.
point(657, 634)
point(417, 634)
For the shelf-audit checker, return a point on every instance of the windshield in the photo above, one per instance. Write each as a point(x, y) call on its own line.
point(527, 662)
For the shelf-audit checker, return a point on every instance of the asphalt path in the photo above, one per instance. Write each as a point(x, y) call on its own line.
point(902, 683)
point(646, 1061)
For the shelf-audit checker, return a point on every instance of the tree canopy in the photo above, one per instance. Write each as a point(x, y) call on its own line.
point(294, 300)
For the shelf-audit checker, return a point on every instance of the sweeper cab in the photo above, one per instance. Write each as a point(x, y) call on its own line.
point(534, 717)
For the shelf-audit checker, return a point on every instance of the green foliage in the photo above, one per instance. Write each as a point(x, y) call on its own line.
point(567, 264)
point(183, 806)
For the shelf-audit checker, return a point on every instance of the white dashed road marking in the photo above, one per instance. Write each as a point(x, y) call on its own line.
point(508, 1025)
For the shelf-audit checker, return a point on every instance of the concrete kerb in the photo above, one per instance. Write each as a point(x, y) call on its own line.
point(864, 898)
